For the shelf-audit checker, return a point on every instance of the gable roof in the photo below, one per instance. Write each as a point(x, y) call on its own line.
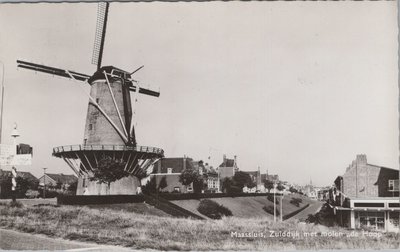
point(228, 163)
point(269, 177)
point(62, 178)
point(177, 164)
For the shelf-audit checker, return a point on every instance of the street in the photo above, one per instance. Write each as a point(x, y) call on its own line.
point(13, 240)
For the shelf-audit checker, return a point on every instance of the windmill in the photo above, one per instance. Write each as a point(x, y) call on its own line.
point(109, 130)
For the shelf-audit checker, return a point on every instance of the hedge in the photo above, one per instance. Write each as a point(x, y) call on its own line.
point(187, 196)
point(98, 199)
point(212, 209)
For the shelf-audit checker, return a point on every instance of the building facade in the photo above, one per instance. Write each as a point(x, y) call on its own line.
point(55, 180)
point(366, 196)
point(171, 169)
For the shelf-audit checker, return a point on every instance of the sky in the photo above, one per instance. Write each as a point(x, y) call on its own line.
point(295, 88)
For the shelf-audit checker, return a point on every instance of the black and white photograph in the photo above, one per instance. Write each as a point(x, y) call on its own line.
point(199, 126)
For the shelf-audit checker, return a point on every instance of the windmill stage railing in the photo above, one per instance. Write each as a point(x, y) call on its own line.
point(145, 149)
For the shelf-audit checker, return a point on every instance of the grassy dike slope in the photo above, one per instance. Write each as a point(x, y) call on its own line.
point(246, 207)
point(138, 231)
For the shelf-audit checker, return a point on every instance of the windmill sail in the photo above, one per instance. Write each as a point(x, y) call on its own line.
point(52, 70)
point(102, 14)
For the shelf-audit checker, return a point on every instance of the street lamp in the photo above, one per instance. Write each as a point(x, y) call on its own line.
point(281, 213)
point(14, 135)
point(44, 183)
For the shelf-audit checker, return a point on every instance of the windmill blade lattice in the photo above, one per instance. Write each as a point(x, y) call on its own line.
point(102, 13)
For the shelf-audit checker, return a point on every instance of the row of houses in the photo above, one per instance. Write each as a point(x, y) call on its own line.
point(61, 181)
point(172, 168)
point(366, 196)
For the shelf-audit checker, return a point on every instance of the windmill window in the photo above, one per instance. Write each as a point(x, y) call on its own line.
point(97, 100)
point(90, 126)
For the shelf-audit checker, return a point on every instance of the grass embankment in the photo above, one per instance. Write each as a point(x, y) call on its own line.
point(138, 231)
point(247, 207)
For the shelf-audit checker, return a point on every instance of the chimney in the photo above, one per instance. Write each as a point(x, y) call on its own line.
point(361, 159)
point(184, 162)
point(224, 160)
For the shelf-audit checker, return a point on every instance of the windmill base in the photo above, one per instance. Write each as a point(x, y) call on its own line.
point(125, 186)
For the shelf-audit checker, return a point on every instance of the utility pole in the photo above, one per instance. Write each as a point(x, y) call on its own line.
point(2, 99)
point(281, 212)
point(44, 183)
point(274, 202)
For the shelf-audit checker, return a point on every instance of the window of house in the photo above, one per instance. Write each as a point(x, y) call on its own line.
point(393, 185)
point(370, 220)
point(169, 170)
point(190, 189)
point(177, 189)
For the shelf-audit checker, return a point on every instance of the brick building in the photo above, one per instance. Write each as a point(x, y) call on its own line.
point(55, 180)
point(171, 169)
point(366, 196)
point(227, 168)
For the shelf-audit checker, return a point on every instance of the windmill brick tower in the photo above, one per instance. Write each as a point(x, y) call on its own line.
point(109, 136)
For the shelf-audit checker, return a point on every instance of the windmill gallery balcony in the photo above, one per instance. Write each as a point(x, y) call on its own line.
point(84, 158)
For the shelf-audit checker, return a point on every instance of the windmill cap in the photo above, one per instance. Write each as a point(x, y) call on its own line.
point(99, 74)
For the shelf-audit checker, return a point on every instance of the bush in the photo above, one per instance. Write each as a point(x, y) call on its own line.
point(296, 201)
point(271, 198)
point(49, 194)
point(324, 217)
point(31, 194)
point(212, 209)
point(270, 210)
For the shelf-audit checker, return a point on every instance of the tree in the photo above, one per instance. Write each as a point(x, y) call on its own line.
point(109, 170)
point(292, 189)
point(227, 183)
point(189, 176)
point(280, 187)
point(24, 184)
point(150, 187)
point(268, 184)
point(241, 179)
point(229, 186)
point(251, 184)
point(59, 185)
point(72, 187)
point(198, 185)
point(163, 183)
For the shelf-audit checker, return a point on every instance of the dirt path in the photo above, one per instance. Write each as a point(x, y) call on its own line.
point(313, 208)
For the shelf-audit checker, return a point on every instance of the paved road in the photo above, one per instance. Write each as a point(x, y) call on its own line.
point(313, 208)
point(13, 240)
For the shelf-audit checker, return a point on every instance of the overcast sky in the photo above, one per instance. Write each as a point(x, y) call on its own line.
point(298, 88)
